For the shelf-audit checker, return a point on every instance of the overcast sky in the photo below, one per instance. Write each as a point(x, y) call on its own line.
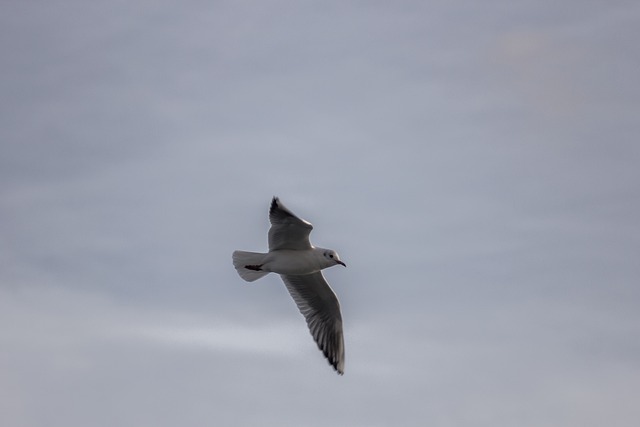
point(476, 165)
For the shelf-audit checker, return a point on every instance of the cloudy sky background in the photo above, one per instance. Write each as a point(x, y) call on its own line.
point(476, 164)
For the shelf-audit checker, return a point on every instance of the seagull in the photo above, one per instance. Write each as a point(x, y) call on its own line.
point(299, 264)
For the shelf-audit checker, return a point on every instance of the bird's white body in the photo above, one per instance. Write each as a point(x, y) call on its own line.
point(285, 261)
point(253, 265)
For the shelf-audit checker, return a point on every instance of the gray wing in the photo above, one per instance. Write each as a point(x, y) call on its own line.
point(287, 230)
point(320, 307)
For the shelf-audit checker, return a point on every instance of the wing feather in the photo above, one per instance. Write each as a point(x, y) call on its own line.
point(287, 230)
point(320, 307)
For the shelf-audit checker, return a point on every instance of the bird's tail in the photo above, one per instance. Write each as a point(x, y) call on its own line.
point(249, 265)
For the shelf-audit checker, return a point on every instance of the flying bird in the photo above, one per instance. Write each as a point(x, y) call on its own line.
point(299, 264)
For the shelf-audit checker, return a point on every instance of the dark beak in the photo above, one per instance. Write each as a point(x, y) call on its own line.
point(341, 263)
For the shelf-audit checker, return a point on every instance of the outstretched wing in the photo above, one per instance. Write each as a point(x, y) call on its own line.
point(320, 307)
point(287, 230)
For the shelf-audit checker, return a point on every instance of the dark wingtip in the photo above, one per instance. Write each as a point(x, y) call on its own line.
point(274, 204)
point(335, 368)
point(333, 362)
point(338, 371)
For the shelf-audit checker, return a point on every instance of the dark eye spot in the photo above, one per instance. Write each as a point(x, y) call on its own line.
point(331, 256)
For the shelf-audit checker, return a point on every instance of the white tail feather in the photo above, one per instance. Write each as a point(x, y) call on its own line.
point(241, 259)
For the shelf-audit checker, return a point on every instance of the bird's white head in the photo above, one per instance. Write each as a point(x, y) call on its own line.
point(332, 257)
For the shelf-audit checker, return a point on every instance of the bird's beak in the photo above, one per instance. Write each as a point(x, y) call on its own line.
point(341, 263)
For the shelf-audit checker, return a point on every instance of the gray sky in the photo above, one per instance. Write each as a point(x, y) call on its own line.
point(474, 163)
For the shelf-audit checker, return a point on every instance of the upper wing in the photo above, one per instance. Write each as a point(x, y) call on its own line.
point(320, 307)
point(287, 230)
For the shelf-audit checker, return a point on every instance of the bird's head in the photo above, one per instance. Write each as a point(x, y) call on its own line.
point(333, 258)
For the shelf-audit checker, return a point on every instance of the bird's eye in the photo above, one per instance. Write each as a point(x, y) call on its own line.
point(331, 256)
